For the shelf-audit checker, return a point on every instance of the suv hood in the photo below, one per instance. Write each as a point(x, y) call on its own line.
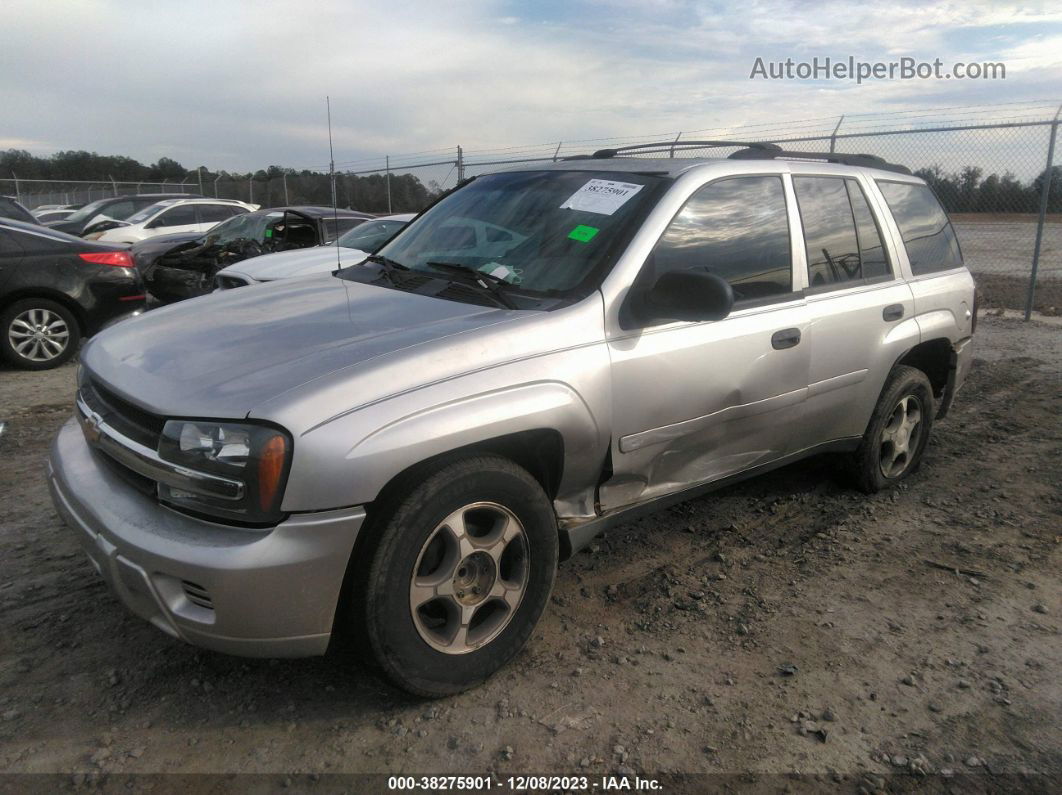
point(223, 354)
point(301, 262)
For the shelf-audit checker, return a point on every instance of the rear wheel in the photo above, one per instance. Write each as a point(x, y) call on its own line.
point(38, 334)
point(896, 437)
point(460, 573)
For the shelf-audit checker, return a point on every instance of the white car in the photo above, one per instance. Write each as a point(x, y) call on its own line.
point(172, 216)
point(354, 246)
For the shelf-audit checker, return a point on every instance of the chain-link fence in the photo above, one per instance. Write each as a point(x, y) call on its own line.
point(993, 168)
point(34, 193)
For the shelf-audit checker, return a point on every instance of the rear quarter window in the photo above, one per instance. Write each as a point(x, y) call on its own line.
point(924, 226)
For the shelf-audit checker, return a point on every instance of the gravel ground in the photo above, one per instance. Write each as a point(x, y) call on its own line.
point(783, 626)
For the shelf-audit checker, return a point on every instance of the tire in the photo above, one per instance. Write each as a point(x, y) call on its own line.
point(896, 437)
point(479, 598)
point(38, 334)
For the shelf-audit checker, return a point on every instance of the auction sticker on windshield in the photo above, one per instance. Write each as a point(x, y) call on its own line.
point(602, 196)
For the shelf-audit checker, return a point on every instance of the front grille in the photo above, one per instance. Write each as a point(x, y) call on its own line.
point(141, 483)
point(129, 420)
point(197, 594)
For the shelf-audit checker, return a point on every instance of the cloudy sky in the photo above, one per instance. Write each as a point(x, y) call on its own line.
point(241, 85)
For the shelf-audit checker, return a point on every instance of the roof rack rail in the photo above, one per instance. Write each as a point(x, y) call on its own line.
point(862, 160)
point(671, 146)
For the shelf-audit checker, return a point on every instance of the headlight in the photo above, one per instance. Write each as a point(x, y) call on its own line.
point(251, 462)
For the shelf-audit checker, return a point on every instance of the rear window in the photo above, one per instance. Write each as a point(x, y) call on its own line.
point(927, 234)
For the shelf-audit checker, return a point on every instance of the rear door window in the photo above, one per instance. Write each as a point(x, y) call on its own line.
point(841, 237)
point(872, 256)
point(182, 215)
point(924, 226)
point(829, 230)
point(213, 213)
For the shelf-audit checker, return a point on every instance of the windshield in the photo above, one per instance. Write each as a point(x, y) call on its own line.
point(537, 231)
point(142, 215)
point(370, 235)
point(89, 210)
point(249, 226)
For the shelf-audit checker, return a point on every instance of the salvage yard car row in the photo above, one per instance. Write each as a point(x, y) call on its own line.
point(166, 249)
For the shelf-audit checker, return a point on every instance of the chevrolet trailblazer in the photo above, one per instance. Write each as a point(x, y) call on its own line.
point(404, 449)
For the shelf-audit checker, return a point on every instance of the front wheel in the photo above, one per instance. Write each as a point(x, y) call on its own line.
point(461, 570)
point(896, 437)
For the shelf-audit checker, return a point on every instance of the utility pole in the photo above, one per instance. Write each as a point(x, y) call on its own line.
point(284, 176)
point(460, 165)
point(199, 173)
point(387, 162)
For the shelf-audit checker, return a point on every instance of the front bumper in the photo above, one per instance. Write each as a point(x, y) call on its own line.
point(256, 593)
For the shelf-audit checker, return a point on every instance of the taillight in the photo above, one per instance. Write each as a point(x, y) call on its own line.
point(120, 259)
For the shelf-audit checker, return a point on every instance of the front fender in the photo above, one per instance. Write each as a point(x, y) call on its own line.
point(350, 460)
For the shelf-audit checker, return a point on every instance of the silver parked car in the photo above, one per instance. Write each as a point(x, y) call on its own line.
point(406, 448)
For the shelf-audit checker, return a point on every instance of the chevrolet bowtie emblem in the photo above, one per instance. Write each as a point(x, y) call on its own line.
point(90, 426)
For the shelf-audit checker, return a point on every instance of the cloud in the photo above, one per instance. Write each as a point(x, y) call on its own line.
point(242, 86)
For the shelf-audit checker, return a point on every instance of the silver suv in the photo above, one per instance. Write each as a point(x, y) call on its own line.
point(404, 449)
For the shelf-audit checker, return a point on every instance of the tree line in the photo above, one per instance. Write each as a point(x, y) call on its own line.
point(969, 191)
point(963, 191)
point(271, 187)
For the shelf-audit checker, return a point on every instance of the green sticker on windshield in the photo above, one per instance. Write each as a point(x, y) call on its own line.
point(582, 233)
point(269, 233)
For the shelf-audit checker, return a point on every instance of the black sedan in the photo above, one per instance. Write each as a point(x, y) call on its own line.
point(56, 289)
point(175, 267)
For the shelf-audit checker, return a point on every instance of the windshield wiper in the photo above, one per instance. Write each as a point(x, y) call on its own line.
point(389, 266)
point(489, 283)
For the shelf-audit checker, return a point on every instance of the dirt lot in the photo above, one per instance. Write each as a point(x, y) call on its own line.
point(1003, 244)
point(783, 626)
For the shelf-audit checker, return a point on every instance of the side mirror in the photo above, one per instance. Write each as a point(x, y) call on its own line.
point(687, 295)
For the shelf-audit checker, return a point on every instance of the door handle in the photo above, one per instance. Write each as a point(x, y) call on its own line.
point(786, 338)
point(892, 312)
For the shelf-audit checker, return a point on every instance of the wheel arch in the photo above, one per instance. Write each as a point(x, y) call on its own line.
point(539, 450)
point(934, 358)
point(48, 294)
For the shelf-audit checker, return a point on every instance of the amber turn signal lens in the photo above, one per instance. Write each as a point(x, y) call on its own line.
point(270, 470)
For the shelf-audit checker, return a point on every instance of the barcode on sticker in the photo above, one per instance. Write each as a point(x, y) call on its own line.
point(601, 196)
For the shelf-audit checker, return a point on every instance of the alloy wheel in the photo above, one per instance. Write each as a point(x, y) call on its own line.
point(38, 335)
point(469, 578)
point(900, 437)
